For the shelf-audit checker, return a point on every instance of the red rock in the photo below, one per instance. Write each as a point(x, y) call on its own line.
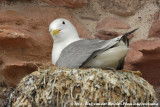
point(157, 15)
point(90, 18)
point(68, 3)
point(112, 23)
point(133, 56)
point(144, 56)
point(14, 71)
point(105, 35)
point(25, 41)
point(155, 29)
point(109, 28)
point(122, 7)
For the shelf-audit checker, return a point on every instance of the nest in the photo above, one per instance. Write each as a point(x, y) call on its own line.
point(61, 87)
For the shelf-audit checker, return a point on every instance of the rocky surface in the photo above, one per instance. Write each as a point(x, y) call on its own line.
point(155, 29)
point(68, 3)
point(52, 86)
point(110, 27)
point(108, 23)
point(25, 42)
point(122, 7)
point(157, 15)
point(144, 56)
point(105, 35)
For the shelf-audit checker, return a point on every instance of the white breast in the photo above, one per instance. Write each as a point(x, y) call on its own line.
point(109, 58)
point(56, 51)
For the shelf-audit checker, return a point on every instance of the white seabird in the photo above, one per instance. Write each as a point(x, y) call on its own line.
point(71, 51)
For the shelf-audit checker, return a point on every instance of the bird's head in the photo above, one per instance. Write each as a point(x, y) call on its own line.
point(62, 29)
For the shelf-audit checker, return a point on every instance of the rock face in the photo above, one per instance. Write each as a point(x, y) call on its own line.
point(157, 15)
point(155, 29)
point(25, 42)
point(112, 23)
point(109, 27)
point(67, 3)
point(144, 56)
point(52, 86)
point(122, 7)
point(105, 35)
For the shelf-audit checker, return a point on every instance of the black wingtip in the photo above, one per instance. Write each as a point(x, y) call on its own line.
point(127, 34)
point(124, 37)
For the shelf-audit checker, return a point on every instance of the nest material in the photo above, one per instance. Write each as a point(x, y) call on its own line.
point(61, 87)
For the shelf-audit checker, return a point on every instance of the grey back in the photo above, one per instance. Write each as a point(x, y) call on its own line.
point(77, 53)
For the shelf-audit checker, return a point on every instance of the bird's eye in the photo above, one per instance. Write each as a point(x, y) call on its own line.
point(63, 22)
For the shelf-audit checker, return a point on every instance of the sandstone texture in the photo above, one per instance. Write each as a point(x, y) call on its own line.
point(112, 23)
point(144, 56)
point(122, 7)
point(105, 35)
point(52, 86)
point(67, 3)
point(25, 42)
point(155, 29)
point(109, 27)
point(157, 15)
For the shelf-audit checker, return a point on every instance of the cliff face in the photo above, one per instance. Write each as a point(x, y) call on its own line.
point(25, 42)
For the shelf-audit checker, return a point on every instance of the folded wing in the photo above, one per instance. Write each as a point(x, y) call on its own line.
point(77, 53)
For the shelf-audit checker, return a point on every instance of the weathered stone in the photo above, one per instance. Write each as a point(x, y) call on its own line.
point(157, 15)
point(52, 86)
point(155, 29)
point(25, 41)
point(122, 7)
point(109, 27)
point(108, 23)
point(105, 35)
point(157, 2)
point(144, 56)
point(68, 3)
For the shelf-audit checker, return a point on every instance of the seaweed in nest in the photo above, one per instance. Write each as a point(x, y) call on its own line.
point(53, 86)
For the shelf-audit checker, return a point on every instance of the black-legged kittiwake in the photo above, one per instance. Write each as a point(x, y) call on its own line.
point(71, 51)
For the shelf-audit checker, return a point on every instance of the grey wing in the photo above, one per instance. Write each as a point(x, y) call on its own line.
point(77, 53)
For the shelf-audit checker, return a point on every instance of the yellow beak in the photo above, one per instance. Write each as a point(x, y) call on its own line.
point(55, 32)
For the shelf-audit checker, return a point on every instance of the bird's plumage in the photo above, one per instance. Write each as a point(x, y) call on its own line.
point(78, 53)
point(73, 52)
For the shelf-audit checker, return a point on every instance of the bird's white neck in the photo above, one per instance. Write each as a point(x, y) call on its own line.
point(59, 45)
